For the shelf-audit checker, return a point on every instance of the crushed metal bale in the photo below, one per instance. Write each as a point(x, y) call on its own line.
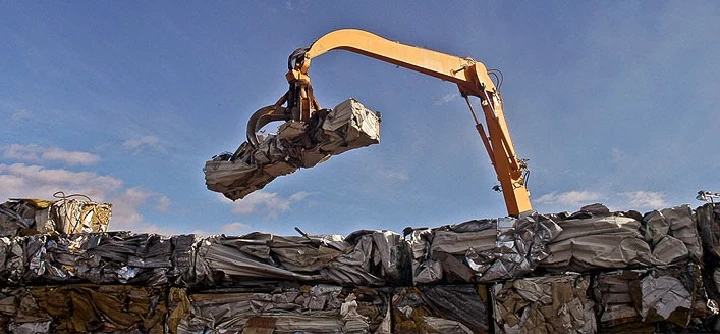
point(283, 309)
point(441, 309)
point(649, 299)
point(481, 251)
point(549, 304)
point(363, 258)
point(67, 215)
point(347, 126)
point(83, 308)
point(102, 258)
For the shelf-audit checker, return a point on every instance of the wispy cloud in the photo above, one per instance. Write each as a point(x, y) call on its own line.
point(126, 213)
point(21, 115)
point(266, 203)
point(234, 228)
point(643, 199)
point(143, 144)
point(570, 198)
point(447, 98)
point(37, 153)
point(396, 175)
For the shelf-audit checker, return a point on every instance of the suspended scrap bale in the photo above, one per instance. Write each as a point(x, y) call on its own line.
point(347, 126)
point(23, 216)
point(480, 251)
point(282, 309)
point(550, 304)
point(441, 309)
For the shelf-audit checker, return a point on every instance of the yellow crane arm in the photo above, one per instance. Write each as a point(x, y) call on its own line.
point(469, 75)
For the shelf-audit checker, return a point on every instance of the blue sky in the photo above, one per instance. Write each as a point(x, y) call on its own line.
point(613, 102)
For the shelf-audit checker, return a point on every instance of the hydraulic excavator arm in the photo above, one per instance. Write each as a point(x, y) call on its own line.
point(469, 75)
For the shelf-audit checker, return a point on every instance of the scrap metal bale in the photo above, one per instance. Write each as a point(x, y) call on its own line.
point(90, 308)
point(480, 251)
point(645, 300)
point(677, 225)
point(373, 258)
point(598, 241)
point(441, 309)
point(103, 258)
point(72, 215)
point(708, 219)
point(25, 216)
point(286, 308)
point(260, 258)
point(550, 304)
point(347, 126)
point(363, 258)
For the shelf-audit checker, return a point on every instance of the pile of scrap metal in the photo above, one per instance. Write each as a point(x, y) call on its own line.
point(590, 271)
point(296, 145)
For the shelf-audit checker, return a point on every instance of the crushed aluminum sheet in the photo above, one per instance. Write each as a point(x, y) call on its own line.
point(347, 126)
point(441, 309)
point(549, 304)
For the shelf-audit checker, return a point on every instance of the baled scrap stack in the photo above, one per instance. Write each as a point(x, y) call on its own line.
point(65, 216)
point(347, 126)
point(593, 270)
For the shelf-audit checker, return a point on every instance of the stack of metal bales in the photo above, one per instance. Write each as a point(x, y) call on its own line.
point(585, 272)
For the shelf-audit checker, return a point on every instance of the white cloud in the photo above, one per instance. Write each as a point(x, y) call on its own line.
point(447, 98)
point(126, 214)
point(645, 199)
point(37, 153)
point(162, 203)
point(33, 181)
point(234, 228)
point(142, 144)
point(21, 115)
point(269, 204)
point(570, 198)
point(396, 175)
